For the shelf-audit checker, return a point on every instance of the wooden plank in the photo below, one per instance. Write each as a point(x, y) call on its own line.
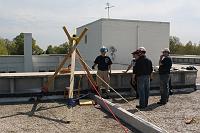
point(86, 102)
point(67, 33)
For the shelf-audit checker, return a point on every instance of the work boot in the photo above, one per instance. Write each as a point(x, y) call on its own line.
point(170, 92)
point(140, 107)
point(161, 103)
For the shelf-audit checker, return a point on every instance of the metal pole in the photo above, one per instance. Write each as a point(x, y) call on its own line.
point(108, 8)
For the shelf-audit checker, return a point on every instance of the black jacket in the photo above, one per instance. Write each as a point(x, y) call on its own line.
point(143, 66)
point(166, 65)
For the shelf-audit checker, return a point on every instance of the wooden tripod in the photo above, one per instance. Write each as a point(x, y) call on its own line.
point(73, 43)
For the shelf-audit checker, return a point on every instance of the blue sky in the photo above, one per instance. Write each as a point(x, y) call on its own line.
point(45, 18)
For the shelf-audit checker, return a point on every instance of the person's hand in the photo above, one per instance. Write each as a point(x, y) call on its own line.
point(161, 56)
point(93, 67)
point(133, 79)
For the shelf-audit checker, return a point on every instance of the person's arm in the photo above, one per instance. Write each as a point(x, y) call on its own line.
point(134, 79)
point(129, 67)
point(134, 71)
point(93, 67)
point(109, 69)
point(95, 62)
point(160, 60)
point(109, 66)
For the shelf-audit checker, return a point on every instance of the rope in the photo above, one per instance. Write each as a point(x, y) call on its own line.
point(122, 96)
point(122, 126)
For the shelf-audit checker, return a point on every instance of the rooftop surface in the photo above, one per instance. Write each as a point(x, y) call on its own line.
point(53, 116)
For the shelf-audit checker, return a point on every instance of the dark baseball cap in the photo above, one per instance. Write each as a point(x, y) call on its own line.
point(135, 52)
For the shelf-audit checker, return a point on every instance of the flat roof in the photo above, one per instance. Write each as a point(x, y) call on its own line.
point(123, 20)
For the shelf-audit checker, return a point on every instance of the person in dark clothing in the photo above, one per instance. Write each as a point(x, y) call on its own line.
point(104, 69)
point(132, 64)
point(143, 70)
point(165, 64)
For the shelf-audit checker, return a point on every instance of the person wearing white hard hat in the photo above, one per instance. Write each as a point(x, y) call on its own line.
point(104, 69)
point(165, 64)
point(143, 70)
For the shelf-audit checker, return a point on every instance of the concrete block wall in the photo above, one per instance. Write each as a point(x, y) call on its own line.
point(32, 82)
point(11, 63)
point(43, 63)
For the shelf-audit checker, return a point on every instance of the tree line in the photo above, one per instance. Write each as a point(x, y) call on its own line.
point(16, 47)
point(177, 47)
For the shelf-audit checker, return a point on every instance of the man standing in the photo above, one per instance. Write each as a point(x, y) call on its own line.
point(104, 69)
point(132, 64)
point(165, 64)
point(142, 70)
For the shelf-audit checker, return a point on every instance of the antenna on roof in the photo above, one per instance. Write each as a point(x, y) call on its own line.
point(108, 6)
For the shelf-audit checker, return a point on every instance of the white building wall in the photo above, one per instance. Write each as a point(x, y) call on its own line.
point(122, 36)
point(126, 36)
point(154, 36)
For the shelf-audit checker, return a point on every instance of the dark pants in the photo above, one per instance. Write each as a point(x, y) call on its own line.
point(143, 85)
point(164, 87)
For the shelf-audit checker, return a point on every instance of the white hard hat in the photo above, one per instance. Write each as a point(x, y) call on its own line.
point(142, 49)
point(166, 50)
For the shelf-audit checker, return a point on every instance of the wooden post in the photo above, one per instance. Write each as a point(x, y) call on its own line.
point(73, 62)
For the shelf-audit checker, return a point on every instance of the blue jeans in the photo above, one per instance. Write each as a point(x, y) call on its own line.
point(164, 87)
point(143, 86)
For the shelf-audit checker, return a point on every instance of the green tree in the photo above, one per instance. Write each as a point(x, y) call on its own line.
point(10, 45)
point(37, 50)
point(177, 47)
point(3, 49)
point(61, 49)
point(189, 48)
point(174, 44)
point(50, 50)
point(19, 46)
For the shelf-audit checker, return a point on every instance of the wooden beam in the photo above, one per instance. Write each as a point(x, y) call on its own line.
point(67, 33)
point(73, 62)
